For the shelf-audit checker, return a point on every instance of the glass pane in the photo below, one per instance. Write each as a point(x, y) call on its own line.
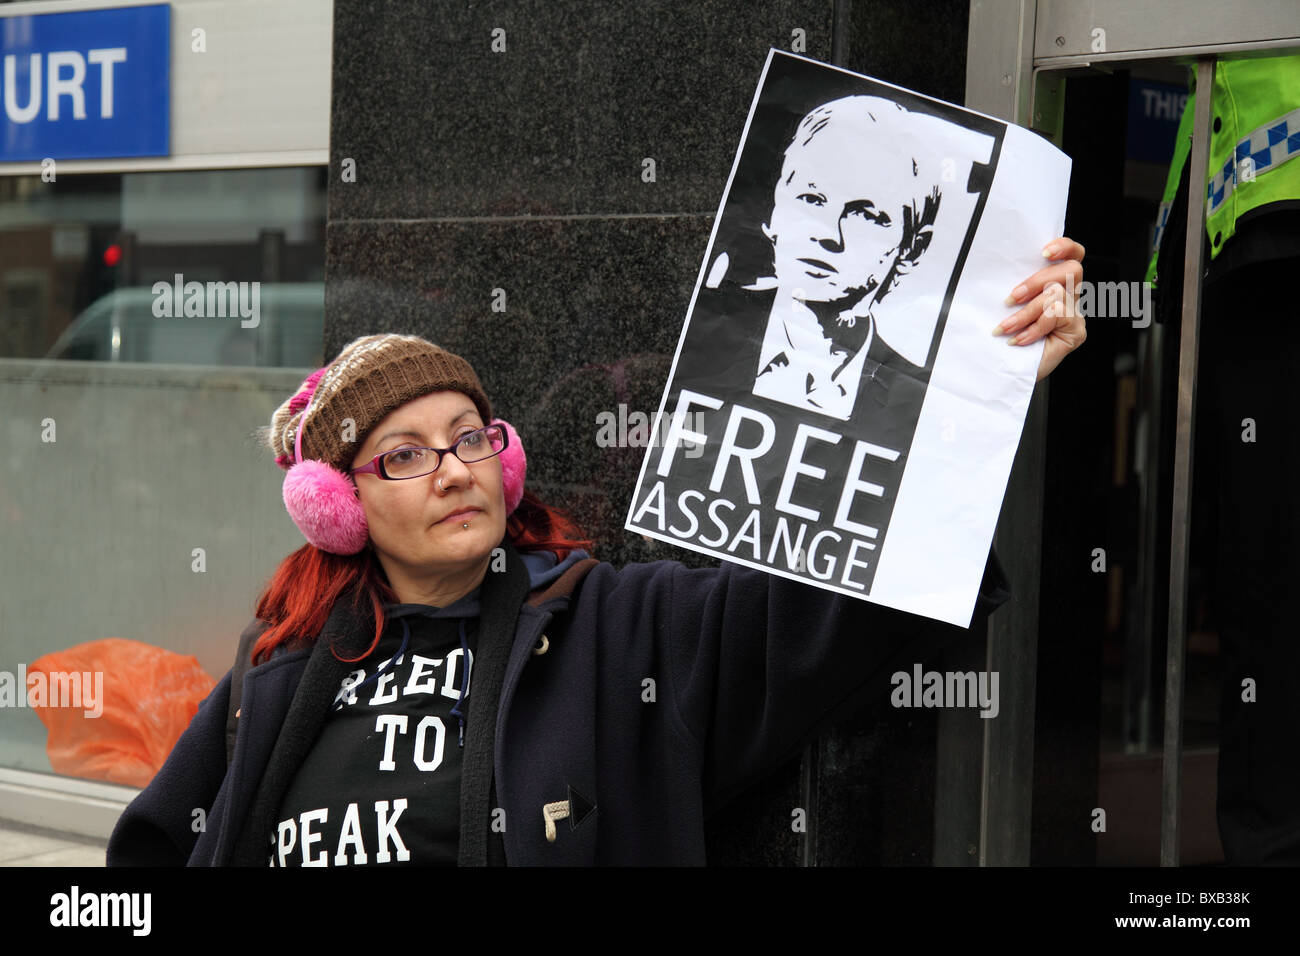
point(140, 520)
point(204, 267)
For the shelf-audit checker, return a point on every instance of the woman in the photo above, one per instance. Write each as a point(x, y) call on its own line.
point(611, 710)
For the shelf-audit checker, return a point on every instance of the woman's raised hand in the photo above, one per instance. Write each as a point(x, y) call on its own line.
point(1049, 301)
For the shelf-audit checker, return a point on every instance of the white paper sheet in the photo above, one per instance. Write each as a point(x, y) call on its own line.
point(839, 409)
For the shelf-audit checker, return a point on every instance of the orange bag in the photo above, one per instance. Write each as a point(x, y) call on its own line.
point(149, 697)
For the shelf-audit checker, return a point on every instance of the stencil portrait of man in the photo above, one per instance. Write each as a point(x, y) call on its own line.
point(852, 215)
point(840, 241)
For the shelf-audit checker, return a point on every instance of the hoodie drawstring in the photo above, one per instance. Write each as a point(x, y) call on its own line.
point(387, 666)
point(392, 662)
point(464, 681)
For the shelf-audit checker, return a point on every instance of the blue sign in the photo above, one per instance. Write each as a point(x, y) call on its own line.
point(91, 84)
point(1154, 110)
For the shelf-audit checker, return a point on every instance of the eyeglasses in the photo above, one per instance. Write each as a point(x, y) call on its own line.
point(402, 463)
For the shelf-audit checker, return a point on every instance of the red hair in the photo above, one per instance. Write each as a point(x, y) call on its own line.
point(304, 588)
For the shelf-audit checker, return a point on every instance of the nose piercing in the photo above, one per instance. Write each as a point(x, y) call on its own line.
point(440, 488)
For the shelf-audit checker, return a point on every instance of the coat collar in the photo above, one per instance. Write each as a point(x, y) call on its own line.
point(503, 593)
point(347, 623)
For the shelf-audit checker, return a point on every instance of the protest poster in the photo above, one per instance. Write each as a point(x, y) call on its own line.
point(838, 409)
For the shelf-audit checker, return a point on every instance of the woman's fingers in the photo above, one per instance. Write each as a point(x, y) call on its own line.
point(1053, 294)
point(1049, 306)
point(1067, 273)
point(1051, 316)
point(1054, 287)
point(1063, 248)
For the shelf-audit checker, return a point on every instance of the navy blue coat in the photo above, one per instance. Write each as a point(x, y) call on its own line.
point(659, 693)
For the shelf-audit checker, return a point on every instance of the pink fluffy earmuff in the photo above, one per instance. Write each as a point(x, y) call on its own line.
point(323, 503)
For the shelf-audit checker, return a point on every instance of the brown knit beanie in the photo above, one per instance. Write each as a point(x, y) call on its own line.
point(371, 377)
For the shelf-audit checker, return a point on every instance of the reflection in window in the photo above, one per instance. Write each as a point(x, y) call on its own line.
point(205, 267)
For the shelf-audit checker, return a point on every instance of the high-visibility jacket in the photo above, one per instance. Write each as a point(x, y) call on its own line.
point(1254, 136)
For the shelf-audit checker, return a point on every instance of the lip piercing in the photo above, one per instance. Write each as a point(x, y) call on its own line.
point(465, 525)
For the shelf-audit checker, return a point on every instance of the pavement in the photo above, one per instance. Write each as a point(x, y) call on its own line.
point(22, 845)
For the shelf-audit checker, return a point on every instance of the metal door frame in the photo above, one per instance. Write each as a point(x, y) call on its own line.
point(1017, 52)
